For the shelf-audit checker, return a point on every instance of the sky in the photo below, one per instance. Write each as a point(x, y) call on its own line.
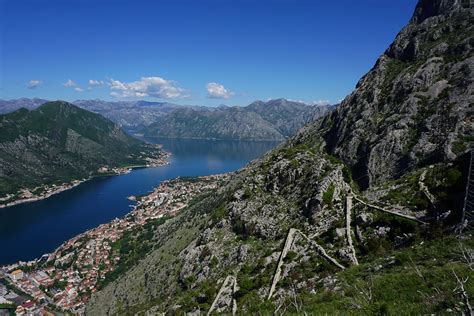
point(203, 52)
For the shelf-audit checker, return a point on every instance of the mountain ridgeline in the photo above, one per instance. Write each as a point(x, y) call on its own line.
point(60, 142)
point(352, 214)
point(129, 114)
point(272, 120)
point(7, 106)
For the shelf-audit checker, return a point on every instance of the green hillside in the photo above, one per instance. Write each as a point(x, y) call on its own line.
point(59, 142)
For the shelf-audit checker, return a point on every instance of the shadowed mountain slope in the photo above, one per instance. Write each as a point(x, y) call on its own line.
point(60, 142)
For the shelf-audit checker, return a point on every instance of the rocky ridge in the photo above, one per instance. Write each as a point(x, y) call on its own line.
point(272, 120)
point(415, 106)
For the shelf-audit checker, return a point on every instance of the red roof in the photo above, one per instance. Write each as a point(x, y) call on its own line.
point(28, 304)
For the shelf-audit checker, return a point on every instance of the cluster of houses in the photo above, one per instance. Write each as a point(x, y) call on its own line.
point(38, 193)
point(115, 170)
point(28, 298)
point(161, 160)
point(72, 273)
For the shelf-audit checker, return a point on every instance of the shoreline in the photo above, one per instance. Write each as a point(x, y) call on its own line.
point(74, 183)
point(91, 253)
point(216, 139)
point(63, 187)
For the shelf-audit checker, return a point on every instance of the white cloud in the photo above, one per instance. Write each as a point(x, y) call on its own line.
point(96, 83)
point(155, 87)
point(69, 84)
point(218, 91)
point(33, 84)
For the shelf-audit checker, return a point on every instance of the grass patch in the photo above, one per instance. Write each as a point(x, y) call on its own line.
point(328, 195)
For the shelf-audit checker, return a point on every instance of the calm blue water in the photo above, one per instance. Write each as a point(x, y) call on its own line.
point(29, 230)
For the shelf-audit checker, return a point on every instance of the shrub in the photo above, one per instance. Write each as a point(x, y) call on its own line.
point(329, 194)
point(459, 147)
point(290, 256)
point(378, 246)
point(218, 213)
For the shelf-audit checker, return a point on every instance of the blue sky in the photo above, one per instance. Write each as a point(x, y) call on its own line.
point(207, 52)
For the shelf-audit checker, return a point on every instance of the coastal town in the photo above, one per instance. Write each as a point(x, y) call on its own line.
point(64, 280)
point(26, 195)
point(37, 193)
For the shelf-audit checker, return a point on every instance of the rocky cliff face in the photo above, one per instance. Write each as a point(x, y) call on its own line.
point(415, 106)
point(296, 221)
point(286, 116)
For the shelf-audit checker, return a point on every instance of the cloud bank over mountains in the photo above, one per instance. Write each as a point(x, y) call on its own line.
point(155, 87)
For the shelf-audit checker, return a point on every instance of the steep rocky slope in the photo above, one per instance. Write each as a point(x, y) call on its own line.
point(287, 116)
point(61, 142)
point(271, 120)
point(415, 106)
point(351, 214)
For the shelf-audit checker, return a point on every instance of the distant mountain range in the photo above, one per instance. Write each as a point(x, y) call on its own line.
point(272, 120)
point(128, 114)
point(59, 142)
point(7, 106)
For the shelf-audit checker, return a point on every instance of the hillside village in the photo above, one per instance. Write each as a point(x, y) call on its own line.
point(65, 279)
point(26, 195)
